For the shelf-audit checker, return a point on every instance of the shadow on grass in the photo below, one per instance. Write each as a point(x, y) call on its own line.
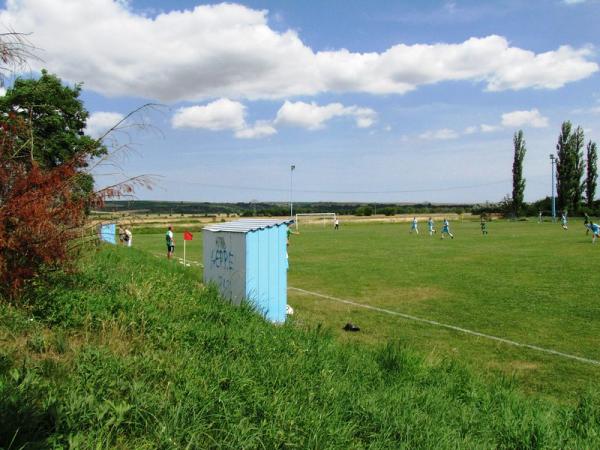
point(26, 418)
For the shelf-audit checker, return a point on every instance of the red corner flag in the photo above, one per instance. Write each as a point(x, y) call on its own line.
point(187, 236)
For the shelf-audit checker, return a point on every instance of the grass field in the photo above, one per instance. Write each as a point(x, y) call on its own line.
point(528, 282)
point(131, 352)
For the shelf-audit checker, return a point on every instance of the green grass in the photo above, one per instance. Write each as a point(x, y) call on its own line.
point(132, 352)
point(528, 282)
point(157, 246)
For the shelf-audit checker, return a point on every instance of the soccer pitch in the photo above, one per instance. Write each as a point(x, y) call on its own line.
point(529, 283)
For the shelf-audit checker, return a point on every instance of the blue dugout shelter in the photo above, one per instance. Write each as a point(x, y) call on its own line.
point(247, 259)
point(107, 232)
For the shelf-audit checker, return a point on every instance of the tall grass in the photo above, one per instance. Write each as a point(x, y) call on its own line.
point(132, 352)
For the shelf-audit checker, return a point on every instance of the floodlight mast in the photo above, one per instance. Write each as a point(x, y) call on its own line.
point(292, 168)
point(553, 162)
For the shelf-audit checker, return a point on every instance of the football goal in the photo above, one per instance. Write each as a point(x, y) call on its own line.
point(323, 219)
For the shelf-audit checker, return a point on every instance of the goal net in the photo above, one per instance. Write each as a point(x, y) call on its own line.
point(323, 219)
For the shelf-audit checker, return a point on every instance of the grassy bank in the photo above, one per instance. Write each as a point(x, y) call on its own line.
point(131, 352)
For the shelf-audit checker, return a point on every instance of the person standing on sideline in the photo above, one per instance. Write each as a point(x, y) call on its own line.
point(287, 256)
point(563, 220)
point(446, 229)
point(336, 224)
point(540, 216)
point(430, 224)
point(170, 242)
point(128, 237)
point(414, 226)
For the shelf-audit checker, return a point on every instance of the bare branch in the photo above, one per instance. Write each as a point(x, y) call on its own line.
point(115, 147)
point(15, 51)
point(119, 124)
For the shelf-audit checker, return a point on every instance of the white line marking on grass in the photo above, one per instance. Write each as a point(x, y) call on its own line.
point(180, 260)
point(451, 327)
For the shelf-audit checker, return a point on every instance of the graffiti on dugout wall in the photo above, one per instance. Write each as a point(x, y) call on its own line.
point(221, 257)
point(222, 260)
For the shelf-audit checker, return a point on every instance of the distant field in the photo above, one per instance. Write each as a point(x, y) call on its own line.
point(528, 282)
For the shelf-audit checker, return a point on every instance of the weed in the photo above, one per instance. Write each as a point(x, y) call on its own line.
point(60, 342)
point(37, 343)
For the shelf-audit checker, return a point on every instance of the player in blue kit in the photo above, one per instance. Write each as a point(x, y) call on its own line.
point(446, 229)
point(595, 229)
point(430, 224)
point(414, 227)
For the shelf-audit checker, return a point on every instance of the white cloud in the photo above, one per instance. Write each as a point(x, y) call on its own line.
point(225, 114)
point(229, 50)
point(443, 134)
point(485, 128)
point(592, 110)
point(573, 2)
point(365, 117)
point(531, 118)
point(259, 130)
point(100, 122)
point(313, 116)
point(222, 114)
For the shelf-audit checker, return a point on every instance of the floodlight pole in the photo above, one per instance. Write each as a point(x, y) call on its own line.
point(292, 167)
point(553, 162)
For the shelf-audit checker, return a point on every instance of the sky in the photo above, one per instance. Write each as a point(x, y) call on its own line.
point(371, 101)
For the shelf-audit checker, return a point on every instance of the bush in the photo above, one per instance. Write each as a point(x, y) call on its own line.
point(39, 217)
point(364, 211)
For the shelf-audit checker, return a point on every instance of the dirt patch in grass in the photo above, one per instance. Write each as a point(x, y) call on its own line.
point(515, 365)
point(523, 365)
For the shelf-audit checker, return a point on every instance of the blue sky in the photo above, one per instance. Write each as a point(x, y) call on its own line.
point(389, 101)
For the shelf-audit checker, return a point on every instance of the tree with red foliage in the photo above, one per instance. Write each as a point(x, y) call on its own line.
point(45, 180)
point(42, 211)
point(39, 216)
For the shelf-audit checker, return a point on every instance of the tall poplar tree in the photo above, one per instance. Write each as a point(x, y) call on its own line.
point(591, 174)
point(576, 147)
point(570, 167)
point(518, 180)
point(564, 168)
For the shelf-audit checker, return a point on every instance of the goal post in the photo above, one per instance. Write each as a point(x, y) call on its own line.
point(315, 218)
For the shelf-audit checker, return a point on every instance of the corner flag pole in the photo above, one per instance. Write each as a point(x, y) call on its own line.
point(187, 236)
